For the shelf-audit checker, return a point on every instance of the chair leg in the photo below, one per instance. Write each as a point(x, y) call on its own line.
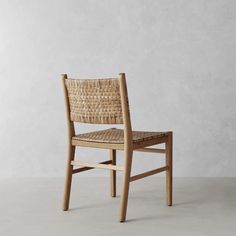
point(126, 181)
point(169, 177)
point(71, 154)
point(113, 172)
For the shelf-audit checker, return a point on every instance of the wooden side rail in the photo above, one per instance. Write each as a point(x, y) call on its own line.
point(148, 173)
point(154, 150)
point(81, 169)
point(97, 165)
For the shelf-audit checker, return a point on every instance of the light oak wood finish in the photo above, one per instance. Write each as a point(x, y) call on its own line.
point(113, 172)
point(71, 149)
point(169, 171)
point(97, 165)
point(81, 169)
point(153, 150)
point(128, 146)
point(113, 98)
point(148, 173)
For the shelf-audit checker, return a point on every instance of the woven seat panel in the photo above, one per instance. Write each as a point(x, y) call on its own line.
point(117, 136)
point(95, 101)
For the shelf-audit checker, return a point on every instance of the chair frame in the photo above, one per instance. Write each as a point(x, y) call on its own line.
point(128, 147)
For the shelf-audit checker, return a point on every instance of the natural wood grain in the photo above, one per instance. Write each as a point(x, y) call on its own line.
point(113, 173)
point(81, 169)
point(71, 153)
point(148, 173)
point(128, 147)
point(97, 165)
point(71, 150)
point(169, 172)
point(154, 150)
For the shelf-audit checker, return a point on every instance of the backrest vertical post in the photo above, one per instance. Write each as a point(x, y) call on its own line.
point(125, 110)
point(70, 124)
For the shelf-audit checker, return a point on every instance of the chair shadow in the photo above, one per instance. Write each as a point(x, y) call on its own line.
point(186, 203)
point(90, 206)
point(164, 216)
point(147, 218)
point(93, 205)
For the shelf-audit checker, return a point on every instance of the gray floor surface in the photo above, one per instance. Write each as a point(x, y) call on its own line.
point(202, 206)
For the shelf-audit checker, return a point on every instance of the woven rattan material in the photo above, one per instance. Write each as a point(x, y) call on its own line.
point(117, 136)
point(95, 101)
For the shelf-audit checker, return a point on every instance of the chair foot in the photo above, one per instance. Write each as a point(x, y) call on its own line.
point(126, 182)
point(67, 189)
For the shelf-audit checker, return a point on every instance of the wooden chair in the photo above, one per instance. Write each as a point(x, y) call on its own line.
point(105, 101)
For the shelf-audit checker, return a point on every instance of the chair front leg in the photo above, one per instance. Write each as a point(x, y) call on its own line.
point(126, 181)
point(113, 173)
point(71, 155)
point(169, 172)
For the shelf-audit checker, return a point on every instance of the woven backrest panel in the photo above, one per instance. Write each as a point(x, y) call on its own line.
point(95, 101)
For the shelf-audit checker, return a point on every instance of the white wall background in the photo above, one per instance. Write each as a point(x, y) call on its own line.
point(179, 58)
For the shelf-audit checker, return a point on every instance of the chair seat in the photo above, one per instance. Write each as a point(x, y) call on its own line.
point(114, 135)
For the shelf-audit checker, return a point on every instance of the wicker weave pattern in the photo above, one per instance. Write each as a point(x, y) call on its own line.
point(117, 136)
point(95, 101)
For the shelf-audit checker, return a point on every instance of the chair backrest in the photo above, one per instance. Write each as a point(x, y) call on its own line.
point(97, 101)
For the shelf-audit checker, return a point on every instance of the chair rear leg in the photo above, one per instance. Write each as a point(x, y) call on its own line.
point(126, 181)
point(169, 164)
point(71, 154)
point(113, 172)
